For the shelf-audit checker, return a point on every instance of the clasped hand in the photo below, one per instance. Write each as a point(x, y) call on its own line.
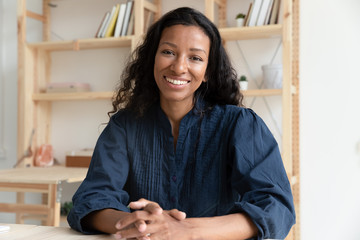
point(150, 221)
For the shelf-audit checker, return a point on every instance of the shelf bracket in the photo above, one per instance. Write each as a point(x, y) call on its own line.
point(35, 16)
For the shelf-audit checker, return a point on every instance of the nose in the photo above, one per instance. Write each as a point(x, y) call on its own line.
point(179, 65)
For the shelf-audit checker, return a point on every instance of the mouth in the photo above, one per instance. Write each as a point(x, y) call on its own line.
point(176, 81)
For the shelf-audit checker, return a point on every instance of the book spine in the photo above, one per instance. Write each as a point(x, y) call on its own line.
point(255, 12)
point(111, 28)
point(120, 20)
point(262, 13)
point(103, 24)
point(126, 18)
point(108, 22)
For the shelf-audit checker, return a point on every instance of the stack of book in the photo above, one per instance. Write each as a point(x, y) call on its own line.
point(264, 12)
point(117, 22)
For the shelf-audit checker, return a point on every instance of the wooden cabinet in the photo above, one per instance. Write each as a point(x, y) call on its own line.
point(34, 72)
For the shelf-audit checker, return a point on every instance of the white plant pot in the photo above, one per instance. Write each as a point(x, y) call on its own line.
point(240, 22)
point(272, 76)
point(244, 85)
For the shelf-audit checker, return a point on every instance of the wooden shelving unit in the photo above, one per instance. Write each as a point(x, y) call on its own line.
point(34, 106)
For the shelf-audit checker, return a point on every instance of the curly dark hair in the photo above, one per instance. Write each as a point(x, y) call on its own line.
point(139, 91)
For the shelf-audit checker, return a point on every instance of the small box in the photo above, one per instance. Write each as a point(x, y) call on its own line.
point(80, 158)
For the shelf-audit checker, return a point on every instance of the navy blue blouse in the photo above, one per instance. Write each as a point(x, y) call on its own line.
point(226, 161)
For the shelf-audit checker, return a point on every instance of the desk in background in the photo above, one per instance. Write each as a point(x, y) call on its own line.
point(33, 232)
point(44, 180)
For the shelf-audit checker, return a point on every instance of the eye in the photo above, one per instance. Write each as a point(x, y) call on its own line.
point(196, 58)
point(167, 52)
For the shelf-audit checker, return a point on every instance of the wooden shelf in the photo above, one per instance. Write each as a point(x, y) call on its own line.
point(72, 96)
point(50, 97)
point(229, 34)
point(262, 92)
point(244, 33)
point(82, 44)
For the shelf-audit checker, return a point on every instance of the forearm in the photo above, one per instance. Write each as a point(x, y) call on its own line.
point(103, 220)
point(234, 226)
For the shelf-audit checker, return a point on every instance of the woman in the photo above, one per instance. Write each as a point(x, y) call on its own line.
point(180, 157)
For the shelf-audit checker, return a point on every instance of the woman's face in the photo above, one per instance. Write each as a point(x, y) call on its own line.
point(180, 63)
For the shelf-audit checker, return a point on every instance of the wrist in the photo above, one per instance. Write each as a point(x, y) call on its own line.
point(193, 229)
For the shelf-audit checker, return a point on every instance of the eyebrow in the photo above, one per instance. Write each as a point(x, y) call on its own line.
point(175, 46)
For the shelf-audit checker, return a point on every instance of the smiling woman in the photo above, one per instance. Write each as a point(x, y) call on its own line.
point(180, 66)
point(181, 158)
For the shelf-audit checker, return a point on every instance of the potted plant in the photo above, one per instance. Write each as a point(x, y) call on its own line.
point(243, 82)
point(240, 19)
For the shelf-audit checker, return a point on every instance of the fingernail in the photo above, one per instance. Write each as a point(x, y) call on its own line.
point(118, 236)
point(118, 226)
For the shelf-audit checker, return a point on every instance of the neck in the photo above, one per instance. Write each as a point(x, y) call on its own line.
point(175, 111)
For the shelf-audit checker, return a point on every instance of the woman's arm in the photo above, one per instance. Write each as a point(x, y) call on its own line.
point(233, 226)
point(107, 220)
point(103, 220)
point(168, 225)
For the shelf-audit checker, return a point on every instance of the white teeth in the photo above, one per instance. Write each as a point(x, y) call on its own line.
point(176, 82)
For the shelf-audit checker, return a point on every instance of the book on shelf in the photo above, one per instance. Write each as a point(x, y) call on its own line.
point(265, 5)
point(254, 13)
point(264, 12)
point(102, 24)
point(117, 22)
point(127, 16)
point(247, 17)
point(281, 13)
point(268, 14)
point(120, 20)
point(102, 34)
point(274, 12)
point(111, 28)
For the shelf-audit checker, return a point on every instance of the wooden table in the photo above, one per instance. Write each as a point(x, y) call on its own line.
point(33, 232)
point(44, 180)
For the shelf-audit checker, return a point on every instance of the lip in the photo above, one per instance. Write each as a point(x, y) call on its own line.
point(183, 81)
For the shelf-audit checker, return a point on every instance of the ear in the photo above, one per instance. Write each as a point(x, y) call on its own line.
point(204, 80)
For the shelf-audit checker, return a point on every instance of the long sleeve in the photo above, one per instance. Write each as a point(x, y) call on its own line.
point(103, 186)
point(259, 177)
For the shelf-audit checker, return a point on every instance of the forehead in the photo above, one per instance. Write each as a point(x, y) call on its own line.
point(181, 34)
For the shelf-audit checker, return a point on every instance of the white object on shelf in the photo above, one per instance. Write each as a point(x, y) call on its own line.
point(244, 85)
point(240, 22)
point(272, 76)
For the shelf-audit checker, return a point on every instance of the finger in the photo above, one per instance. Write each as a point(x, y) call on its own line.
point(144, 238)
point(132, 218)
point(153, 208)
point(178, 215)
point(131, 233)
point(141, 226)
point(139, 204)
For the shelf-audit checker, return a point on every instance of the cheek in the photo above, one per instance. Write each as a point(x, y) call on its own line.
point(200, 71)
point(156, 67)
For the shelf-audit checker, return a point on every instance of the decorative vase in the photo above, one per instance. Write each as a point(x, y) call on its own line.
point(272, 76)
point(240, 22)
point(243, 85)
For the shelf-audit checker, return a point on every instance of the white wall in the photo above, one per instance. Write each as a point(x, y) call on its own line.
point(330, 119)
point(8, 78)
point(2, 150)
point(329, 124)
point(8, 91)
